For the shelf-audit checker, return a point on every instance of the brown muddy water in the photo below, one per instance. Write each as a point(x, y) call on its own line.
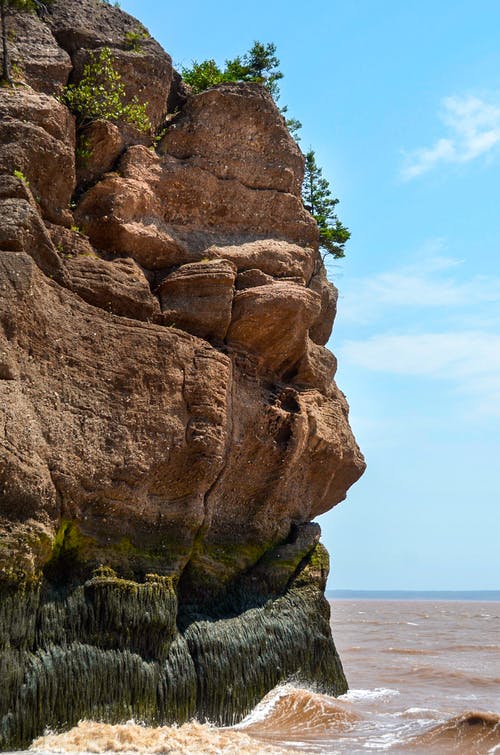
point(424, 678)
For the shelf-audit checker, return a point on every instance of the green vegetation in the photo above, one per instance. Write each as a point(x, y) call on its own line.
point(260, 64)
point(101, 94)
point(318, 199)
point(19, 174)
point(134, 39)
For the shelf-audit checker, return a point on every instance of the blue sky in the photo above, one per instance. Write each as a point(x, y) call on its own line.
point(401, 103)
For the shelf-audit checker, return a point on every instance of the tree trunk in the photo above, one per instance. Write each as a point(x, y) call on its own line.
point(5, 57)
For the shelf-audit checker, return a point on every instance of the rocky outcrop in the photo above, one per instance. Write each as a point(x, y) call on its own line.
point(37, 140)
point(169, 424)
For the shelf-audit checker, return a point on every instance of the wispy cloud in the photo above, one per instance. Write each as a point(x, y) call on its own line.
point(474, 130)
point(468, 359)
point(431, 282)
point(428, 319)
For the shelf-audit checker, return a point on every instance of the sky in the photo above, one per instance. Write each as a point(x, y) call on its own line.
point(401, 103)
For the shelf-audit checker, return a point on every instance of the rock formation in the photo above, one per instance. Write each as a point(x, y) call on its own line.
point(169, 423)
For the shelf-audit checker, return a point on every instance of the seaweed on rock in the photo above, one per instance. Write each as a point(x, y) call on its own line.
point(111, 650)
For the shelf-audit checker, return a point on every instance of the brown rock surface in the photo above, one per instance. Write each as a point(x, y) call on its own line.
point(145, 68)
point(321, 329)
point(101, 143)
point(121, 424)
point(22, 229)
point(37, 137)
point(163, 205)
point(198, 298)
point(38, 60)
point(272, 322)
point(201, 137)
point(119, 286)
point(168, 414)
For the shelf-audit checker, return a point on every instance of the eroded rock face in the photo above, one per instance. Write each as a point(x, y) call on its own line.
point(198, 298)
point(37, 58)
point(89, 25)
point(37, 139)
point(200, 136)
point(169, 424)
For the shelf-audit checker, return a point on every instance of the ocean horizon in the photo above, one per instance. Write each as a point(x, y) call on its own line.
point(481, 595)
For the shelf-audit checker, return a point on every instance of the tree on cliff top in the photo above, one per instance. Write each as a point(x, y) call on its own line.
point(259, 65)
point(6, 8)
point(318, 199)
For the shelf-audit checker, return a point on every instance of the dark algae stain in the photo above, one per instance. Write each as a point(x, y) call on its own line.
point(112, 648)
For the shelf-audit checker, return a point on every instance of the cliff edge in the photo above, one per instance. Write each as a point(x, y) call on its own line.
point(169, 422)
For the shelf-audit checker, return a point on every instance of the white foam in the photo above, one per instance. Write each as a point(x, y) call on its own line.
point(378, 693)
point(414, 711)
point(266, 705)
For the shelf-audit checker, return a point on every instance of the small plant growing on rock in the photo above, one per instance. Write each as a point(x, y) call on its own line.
point(134, 39)
point(83, 150)
point(101, 94)
point(19, 174)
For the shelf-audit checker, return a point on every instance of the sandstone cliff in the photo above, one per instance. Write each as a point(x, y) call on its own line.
point(169, 423)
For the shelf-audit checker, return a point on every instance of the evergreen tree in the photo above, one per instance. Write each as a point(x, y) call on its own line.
point(318, 199)
point(6, 8)
point(259, 64)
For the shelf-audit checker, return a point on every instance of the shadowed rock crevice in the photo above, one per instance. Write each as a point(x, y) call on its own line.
point(169, 422)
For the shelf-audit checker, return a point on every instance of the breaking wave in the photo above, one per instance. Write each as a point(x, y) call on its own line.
point(288, 712)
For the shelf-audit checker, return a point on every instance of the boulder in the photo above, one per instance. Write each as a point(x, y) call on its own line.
point(316, 368)
point(272, 322)
point(199, 135)
point(321, 329)
point(99, 147)
point(198, 298)
point(119, 286)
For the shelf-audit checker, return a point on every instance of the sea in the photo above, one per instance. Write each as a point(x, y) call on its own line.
point(424, 678)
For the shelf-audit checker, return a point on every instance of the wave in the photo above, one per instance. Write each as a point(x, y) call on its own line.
point(134, 738)
point(289, 712)
point(475, 648)
point(473, 732)
point(431, 673)
point(410, 651)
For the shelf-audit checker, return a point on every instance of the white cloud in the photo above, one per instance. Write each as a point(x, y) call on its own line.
point(428, 319)
point(435, 282)
point(475, 130)
point(468, 359)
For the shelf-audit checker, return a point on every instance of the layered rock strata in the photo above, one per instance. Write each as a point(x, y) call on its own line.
point(169, 423)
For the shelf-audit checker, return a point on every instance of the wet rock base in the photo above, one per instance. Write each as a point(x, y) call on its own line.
point(113, 649)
